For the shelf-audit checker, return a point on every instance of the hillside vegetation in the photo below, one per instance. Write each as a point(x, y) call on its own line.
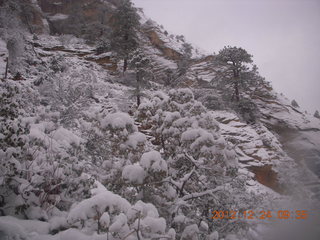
point(112, 128)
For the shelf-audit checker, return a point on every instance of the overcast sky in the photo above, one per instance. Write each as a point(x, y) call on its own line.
point(282, 35)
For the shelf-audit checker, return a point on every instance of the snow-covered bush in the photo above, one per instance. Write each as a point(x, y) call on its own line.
point(120, 148)
point(40, 163)
point(122, 134)
point(106, 212)
point(66, 89)
point(201, 165)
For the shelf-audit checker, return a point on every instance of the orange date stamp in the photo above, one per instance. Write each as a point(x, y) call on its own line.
point(260, 215)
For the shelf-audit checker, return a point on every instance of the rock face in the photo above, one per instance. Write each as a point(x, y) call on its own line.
point(267, 176)
point(76, 17)
point(31, 16)
point(160, 44)
point(298, 132)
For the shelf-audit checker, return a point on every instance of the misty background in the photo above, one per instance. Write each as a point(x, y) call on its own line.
point(282, 35)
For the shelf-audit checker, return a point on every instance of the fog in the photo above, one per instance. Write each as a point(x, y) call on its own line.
point(282, 35)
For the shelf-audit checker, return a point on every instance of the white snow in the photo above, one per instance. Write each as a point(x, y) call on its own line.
point(120, 224)
point(154, 225)
point(190, 232)
point(60, 138)
point(58, 16)
point(135, 139)
point(66, 137)
point(117, 120)
point(134, 174)
point(14, 226)
point(105, 220)
point(88, 208)
point(145, 209)
point(153, 161)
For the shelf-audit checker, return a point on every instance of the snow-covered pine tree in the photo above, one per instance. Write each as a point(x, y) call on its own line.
point(316, 114)
point(142, 65)
point(125, 24)
point(294, 103)
point(185, 61)
point(168, 76)
point(233, 62)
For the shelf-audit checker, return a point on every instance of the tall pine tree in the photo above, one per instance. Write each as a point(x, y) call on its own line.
point(232, 61)
point(142, 65)
point(125, 25)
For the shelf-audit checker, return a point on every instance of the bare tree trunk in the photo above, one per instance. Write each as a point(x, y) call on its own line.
point(138, 100)
point(125, 64)
point(236, 75)
point(6, 72)
point(236, 90)
point(138, 235)
point(138, 90)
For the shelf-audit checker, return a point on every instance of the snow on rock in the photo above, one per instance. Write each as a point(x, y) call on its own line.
point(152, 161)
point(255, 143)
point(135, 174)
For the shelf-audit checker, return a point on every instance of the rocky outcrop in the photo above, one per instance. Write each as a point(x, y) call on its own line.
point(298, 132)
point(266, 176)
point(76, 17)
point(160, 44)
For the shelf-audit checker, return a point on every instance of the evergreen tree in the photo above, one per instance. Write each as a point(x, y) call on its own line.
point(185, 61)
point(125, 23)
point(169, 76)
point(142, 66)
point(233, 62)
point(316, 114)
point(294, 104)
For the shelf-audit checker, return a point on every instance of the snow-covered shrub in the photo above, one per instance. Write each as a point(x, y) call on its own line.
point(119, 148)
point(201, 165)
point(122, 133)
point(40, 163)
point(106, 212)
point(153, 164)
point(13, 142)
point(247, 110)
point(134, 174)
point(66, 89)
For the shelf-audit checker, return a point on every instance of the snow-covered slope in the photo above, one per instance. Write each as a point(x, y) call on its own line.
point(72, 97)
